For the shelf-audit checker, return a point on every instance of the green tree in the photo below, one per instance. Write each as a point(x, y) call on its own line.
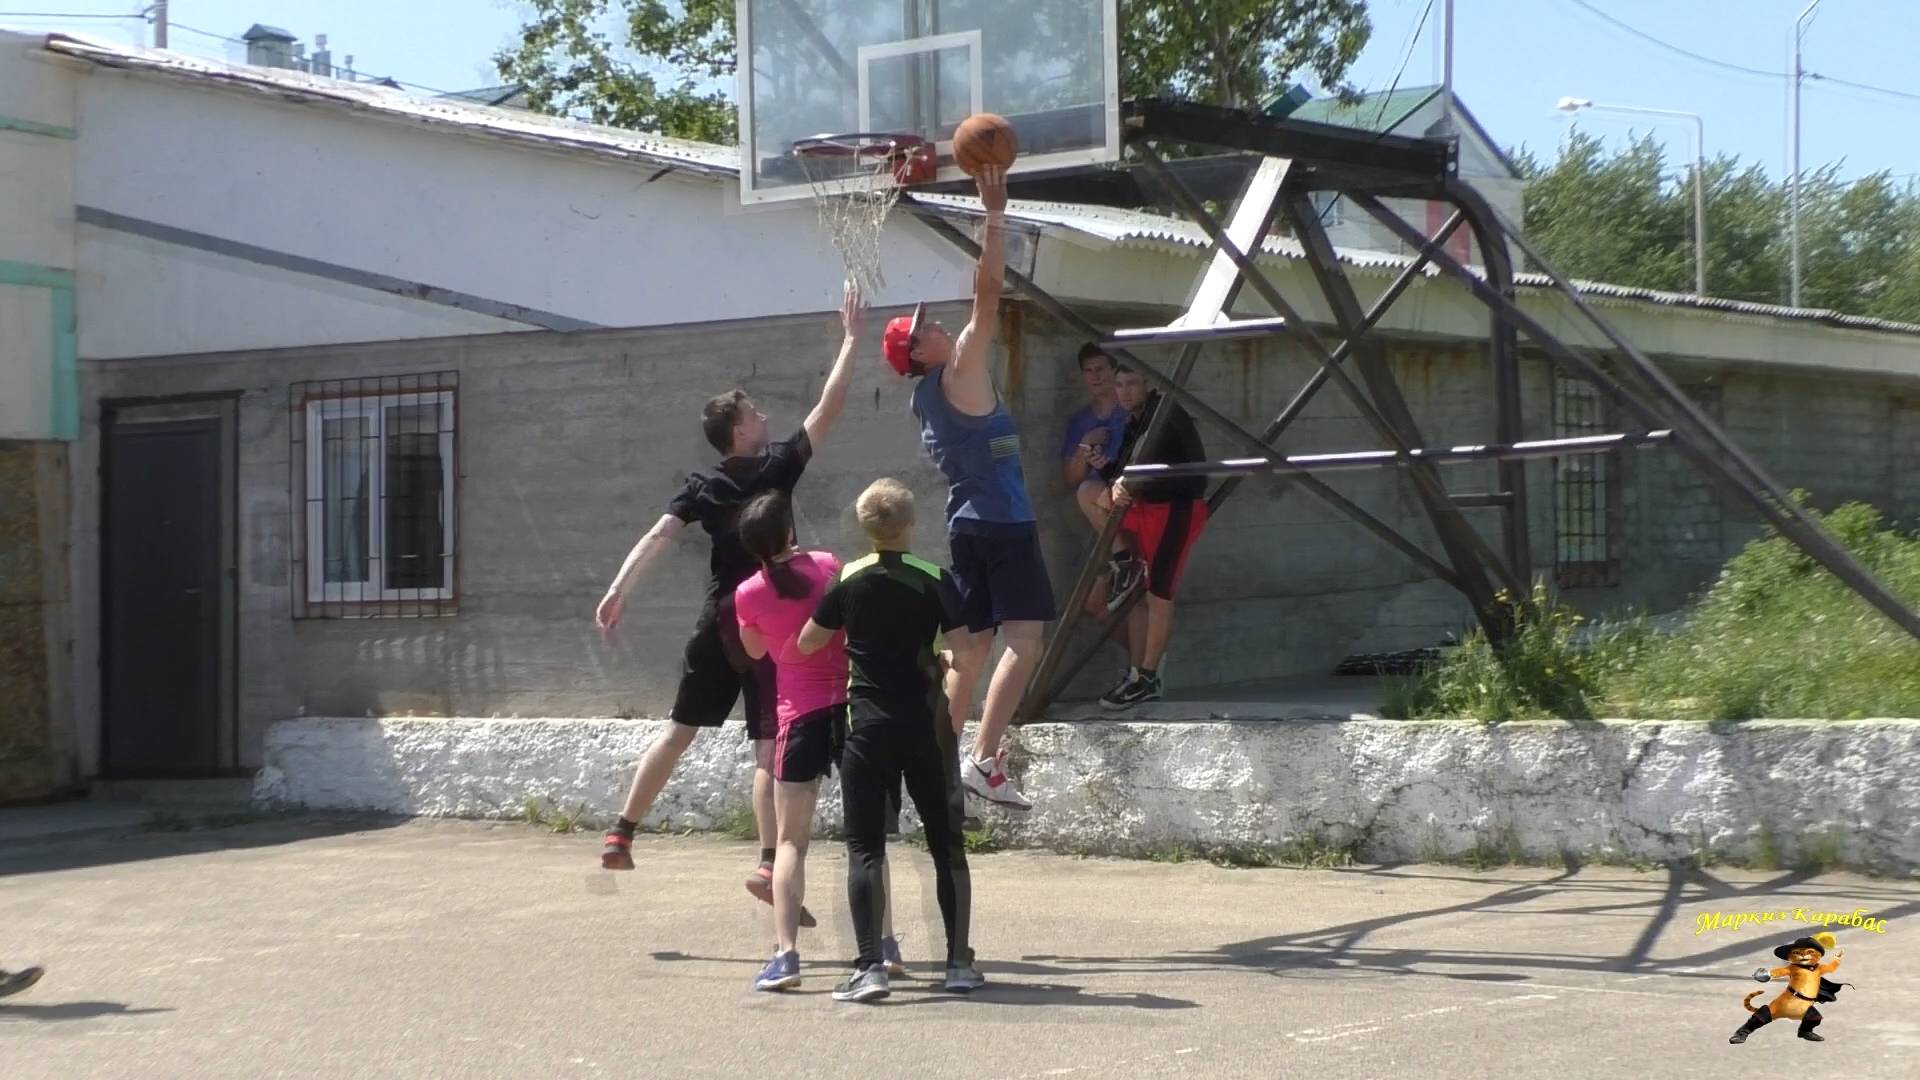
point(570, 65)
point(653, 64)
point(1236, 52)
point(1622, 217)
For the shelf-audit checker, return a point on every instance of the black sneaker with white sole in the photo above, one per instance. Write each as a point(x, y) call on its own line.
point(1135, 689)
point(1127, 575)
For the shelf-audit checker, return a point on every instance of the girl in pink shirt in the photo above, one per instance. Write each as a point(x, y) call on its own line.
point(810, 707)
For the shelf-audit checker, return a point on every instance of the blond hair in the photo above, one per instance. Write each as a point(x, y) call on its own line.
point(885, 511)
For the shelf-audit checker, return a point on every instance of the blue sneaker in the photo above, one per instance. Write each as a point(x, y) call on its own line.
point(781, 973)
point(890, 956)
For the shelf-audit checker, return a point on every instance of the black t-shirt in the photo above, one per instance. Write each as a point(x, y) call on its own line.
point(1178, 443)
point(714, 500)
point(893, 607)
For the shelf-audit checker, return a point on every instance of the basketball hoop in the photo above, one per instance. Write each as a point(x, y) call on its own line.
point(856, 180)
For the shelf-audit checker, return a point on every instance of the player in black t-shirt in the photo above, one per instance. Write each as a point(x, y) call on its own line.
point(1163, 520)
point(894, 608)
point(715, 670)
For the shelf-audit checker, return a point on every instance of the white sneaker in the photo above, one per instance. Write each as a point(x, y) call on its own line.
point(988, 779)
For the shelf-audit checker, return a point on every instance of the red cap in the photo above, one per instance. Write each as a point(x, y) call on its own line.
point(897, 343)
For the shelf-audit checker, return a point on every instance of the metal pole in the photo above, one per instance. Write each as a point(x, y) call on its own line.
point(1799, 27)
point(1446, 69)
point(1700, 207)
point(159, 24)
point(1381, 459)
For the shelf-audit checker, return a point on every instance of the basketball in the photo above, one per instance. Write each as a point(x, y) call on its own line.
point(984, 141)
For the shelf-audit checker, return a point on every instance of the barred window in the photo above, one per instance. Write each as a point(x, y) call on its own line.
point(374, 478)
point(1586, 489)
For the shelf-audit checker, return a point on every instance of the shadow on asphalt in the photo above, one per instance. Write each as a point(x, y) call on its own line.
point(168, 834)
point(1343, 950)
point(70, 1010)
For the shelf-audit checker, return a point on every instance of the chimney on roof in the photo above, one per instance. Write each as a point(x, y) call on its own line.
point(270, 46)
point(322, 62)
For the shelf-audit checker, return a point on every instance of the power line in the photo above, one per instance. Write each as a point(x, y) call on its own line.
point(1644, 36)
point(63, 15)
point(1863, 86)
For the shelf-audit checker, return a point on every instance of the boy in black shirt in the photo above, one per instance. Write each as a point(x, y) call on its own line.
point(715, 671)
point(894, 608)
point(1164, 518)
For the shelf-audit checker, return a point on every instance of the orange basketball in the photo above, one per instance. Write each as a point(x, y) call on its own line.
point(983, 141)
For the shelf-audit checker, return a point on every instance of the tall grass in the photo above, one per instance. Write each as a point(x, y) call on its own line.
point(1774, 636)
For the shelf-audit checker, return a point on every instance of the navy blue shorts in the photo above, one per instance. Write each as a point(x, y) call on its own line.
point(1002, 577)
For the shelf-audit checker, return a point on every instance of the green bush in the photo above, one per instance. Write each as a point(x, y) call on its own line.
point(1774, 636)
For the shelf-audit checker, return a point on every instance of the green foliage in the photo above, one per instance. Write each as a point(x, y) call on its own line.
point(1774, 636)
point(1236, 52)
point(1545, 670)
point(1626, 217)
point(570, 65)
point(542, 812)
point(667, 67)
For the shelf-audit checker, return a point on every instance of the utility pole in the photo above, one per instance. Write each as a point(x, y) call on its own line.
point(1573, 104)
point(1799, 28)
point(1446, 66)
point(159, 13)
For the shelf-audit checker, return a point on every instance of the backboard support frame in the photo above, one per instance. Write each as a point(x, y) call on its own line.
point(1364, 169)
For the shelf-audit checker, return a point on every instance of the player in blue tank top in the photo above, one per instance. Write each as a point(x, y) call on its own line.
point(991, 531)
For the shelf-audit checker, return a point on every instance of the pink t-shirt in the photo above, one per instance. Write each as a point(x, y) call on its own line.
point(804, 684)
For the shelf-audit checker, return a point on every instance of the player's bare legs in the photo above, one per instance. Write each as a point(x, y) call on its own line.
point(656, 767)
point(793, 804)
point(983, 772)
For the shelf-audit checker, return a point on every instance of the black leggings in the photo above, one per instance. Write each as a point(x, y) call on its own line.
point(878, 755)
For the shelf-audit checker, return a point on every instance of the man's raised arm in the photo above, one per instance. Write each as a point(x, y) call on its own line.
point(833, 396)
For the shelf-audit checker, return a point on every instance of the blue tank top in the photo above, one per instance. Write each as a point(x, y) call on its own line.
point(980, 456)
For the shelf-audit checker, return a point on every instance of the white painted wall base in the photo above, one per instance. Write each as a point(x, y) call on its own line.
point(1624, 790)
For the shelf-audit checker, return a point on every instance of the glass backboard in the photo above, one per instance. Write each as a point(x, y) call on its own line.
point(920, 67)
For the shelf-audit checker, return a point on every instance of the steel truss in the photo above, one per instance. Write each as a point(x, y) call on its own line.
point(1273, 168)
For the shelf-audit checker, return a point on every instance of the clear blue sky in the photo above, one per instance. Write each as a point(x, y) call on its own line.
point(1513, 59)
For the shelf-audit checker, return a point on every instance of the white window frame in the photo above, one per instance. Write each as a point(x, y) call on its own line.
point(374, 407)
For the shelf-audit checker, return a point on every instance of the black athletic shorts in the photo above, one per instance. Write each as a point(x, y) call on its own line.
point(716, 672)
point(809, 748)
point(1002, 577)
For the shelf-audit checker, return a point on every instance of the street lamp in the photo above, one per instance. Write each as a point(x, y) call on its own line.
point(1799, 29)
point(1573, 104)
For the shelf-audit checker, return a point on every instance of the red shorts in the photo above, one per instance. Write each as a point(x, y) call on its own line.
point(1166, 533)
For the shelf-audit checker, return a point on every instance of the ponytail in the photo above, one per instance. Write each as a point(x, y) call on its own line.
point(766, 531)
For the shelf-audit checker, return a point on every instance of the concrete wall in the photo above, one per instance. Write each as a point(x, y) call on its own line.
point(37, 116)
point(570, 445)
point(1381, 789)
point(611, 244)
point(37, 751)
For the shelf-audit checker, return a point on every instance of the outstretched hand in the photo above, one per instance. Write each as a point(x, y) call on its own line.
point(607, 616)
point(853, 309)
point(993, 189)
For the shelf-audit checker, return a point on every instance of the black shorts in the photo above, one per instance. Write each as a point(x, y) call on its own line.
point(807, 749)
point(1002, 577)
point(716, 672)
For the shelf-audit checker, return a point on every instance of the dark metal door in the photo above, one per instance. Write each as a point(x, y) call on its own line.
point(161, 596)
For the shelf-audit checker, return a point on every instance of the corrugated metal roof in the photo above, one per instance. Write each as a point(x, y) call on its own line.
point(1371, 112)
point(512, 125)
point(1098, 224)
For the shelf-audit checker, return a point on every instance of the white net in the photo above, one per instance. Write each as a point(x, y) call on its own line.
point(856, 182)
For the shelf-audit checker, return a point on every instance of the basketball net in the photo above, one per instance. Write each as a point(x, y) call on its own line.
point(856, 180)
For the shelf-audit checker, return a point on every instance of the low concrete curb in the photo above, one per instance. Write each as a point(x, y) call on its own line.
point(1843, 793)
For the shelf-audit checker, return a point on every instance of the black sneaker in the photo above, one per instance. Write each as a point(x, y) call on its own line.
point(1128, 573)
point(14, 982)
point(1135, 689)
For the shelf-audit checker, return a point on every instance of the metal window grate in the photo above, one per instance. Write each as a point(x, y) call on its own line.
point(1586, 489)
point(374, 481)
